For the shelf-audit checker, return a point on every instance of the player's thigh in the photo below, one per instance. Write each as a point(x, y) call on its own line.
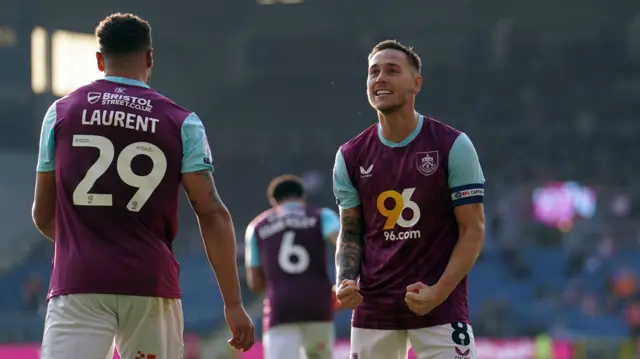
point(378, 344)
point(79, 326)
point(282, 341)
point(444, 342)
point(317, 339)
point(150, 326)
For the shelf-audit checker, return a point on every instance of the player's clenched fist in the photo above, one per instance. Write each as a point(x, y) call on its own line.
point(242, 329)
point(348, 294)
point(422, 299)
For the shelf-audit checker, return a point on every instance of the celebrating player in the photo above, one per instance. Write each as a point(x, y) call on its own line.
point(410, 192)
point(112, 156)
point(286, 255)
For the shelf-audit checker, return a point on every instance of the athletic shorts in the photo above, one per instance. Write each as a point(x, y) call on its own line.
point(88, 326)
point(446, 341)
point(312, 340)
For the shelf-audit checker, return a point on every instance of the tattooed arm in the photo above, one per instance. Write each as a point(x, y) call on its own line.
point(349, 245)
point(216, 228)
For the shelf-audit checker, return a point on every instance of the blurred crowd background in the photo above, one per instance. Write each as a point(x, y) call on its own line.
point(548, 90)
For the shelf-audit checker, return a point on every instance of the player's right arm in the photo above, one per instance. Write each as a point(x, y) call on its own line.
point(43, 211)
point(349, 245)
point(255, 275)
point(330, 223)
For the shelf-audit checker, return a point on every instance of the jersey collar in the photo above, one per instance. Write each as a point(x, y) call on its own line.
point(126, 81)
point(407, 140)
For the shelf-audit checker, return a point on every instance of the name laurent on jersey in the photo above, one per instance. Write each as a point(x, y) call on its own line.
point(120, 119)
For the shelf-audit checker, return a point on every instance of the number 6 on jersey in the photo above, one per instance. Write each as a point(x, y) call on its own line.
point(289, 250)
point(145, 184)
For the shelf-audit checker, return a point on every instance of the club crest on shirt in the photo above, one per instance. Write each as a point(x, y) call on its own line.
point(427, 162)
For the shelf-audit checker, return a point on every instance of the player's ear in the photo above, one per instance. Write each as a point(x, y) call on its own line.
point(417, 84)
point(100, 61)
point(150, 58)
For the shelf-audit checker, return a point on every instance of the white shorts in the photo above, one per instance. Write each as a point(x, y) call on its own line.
point(446, 341)
point(312, 340)
point(88, 325)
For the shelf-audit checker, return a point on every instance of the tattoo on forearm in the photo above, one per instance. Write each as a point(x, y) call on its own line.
point(349, 247)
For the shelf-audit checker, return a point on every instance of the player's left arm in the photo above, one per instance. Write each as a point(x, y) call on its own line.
point(214, 219)
point(466, 184)
point(43, 211)
point(256, 280)
point(330, 223)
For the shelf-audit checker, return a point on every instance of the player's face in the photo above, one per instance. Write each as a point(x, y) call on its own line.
point(391, 82)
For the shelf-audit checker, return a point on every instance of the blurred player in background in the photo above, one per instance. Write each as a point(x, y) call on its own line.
point(286, 255)
point(112, 156)
point(410, 191)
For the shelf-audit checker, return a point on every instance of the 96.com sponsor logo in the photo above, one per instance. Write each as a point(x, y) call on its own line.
point(392, 205)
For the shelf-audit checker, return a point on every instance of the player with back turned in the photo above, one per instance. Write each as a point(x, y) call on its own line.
point(112, 157)
point(286, 255)
point(410, 191)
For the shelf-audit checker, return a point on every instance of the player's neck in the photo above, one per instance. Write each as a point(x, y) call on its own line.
point(398, 125)
point(291, 202)
point(131, 75)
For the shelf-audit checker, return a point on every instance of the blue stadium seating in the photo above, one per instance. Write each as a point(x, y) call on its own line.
point(489, 279)
point(201, 297)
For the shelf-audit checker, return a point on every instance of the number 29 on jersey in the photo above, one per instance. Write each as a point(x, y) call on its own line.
point(145, 184)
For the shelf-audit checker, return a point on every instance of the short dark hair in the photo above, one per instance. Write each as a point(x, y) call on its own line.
point(285, 187)
point(123, 34)
point(412, 56)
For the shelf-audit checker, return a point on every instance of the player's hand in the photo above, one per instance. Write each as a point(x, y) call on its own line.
point(422, 299)
point(334, 299)
point(348, 294)
point(242, 330)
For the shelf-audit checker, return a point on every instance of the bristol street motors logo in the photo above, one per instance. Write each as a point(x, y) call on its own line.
point(93, 97)
point(427, 162)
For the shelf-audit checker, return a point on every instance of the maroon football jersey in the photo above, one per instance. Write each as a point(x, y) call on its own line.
point(410, 227)
point(292, 251)
point(119, 153)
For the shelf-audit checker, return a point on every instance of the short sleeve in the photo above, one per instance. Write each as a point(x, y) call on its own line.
point(196, 154)
point(251, 252)
point(466, 180)
point(329, 221)
point(47, 150)
point(344, 191)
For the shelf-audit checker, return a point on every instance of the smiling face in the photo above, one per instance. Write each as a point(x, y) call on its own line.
point(392, 82)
